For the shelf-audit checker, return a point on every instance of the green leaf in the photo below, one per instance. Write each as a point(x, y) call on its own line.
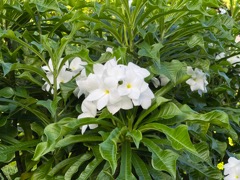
point(62, 164)
point(74, 167)
point(216, 117)
point(195, 40)
point(71, 139)
point(159, 100)
point(91, 167)
point(150, 51)
point(6, 92)
point(53, 134)
point(46, 5)
point(6, 68)
point(8, 152)
point(42, 170)
point(67, 90)
point(194, 4)
point(178, 137)
point(126, 162)
point(51, 107)
point(218, 146)
point(169, 110)
point(26, 75)
point(33, 69)
point(140, 167)
point(162, 160)
point(108, 148)
point(136, 136)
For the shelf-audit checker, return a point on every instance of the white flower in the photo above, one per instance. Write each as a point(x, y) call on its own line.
point(144, 99)
point(220, 56)
point(106, 93)
point(163, 80)
point(156, 82)
point(234, 60)
point(198, 80)
point(237, 39)
point(109, 50)
point(65, 74)
point(130, 3)
point(115, 86)
point(84, 127)
point(232, 169)
point(76, 66)
point(63, 77)
point(222, 11)
point(89, 109)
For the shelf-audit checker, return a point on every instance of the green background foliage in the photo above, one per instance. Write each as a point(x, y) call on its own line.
point(182, 134)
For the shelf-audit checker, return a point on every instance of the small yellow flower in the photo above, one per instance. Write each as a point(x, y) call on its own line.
point(230, 141)
point(220, 165)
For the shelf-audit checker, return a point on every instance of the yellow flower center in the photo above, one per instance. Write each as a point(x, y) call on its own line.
point(129, 86)
point(220, 165)
point(236, 177)
point(230, 141)
point(106, 91)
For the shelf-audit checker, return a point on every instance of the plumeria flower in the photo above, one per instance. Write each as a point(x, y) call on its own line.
point(198, 80)
point(232, 169)
point(89, 110)
point(63, 77)
point(84, 127)
point(115, 87)
point(106, 93)
point(76, 66)
point(234, 60)
point(109, 50)
point(220, 56)
point(130, 3)
point(237, 39)
point(144, 99)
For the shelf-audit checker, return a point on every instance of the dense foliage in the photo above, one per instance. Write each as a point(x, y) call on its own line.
point(55, 125)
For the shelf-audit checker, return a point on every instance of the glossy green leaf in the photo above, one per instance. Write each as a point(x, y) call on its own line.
point(6, 92)
point(140, 168)
point(169, 110)
point(27, 75)
point(71, 139)
point(42, 170)
point(74, 167)
point(51, 107)
point(109, 149)
point(126, 162)
point(91, 167)
point(8, 152)
point(162, 160)
point(53, 134)
point(62, 164)
point(46, 5)
point(195, 40)
point(194, 4)
point(136, 135)
point(6, 67)
point(178, 136)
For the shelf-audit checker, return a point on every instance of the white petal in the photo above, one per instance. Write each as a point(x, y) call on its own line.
point(89, 108)
point(102, 102)
point(95, 95)
point(84, 128)
point(93, 126)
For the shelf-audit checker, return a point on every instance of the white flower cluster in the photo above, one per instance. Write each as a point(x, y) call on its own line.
point(198, 80)
point(113, 86)
point(65, 74)
point(232, 169)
